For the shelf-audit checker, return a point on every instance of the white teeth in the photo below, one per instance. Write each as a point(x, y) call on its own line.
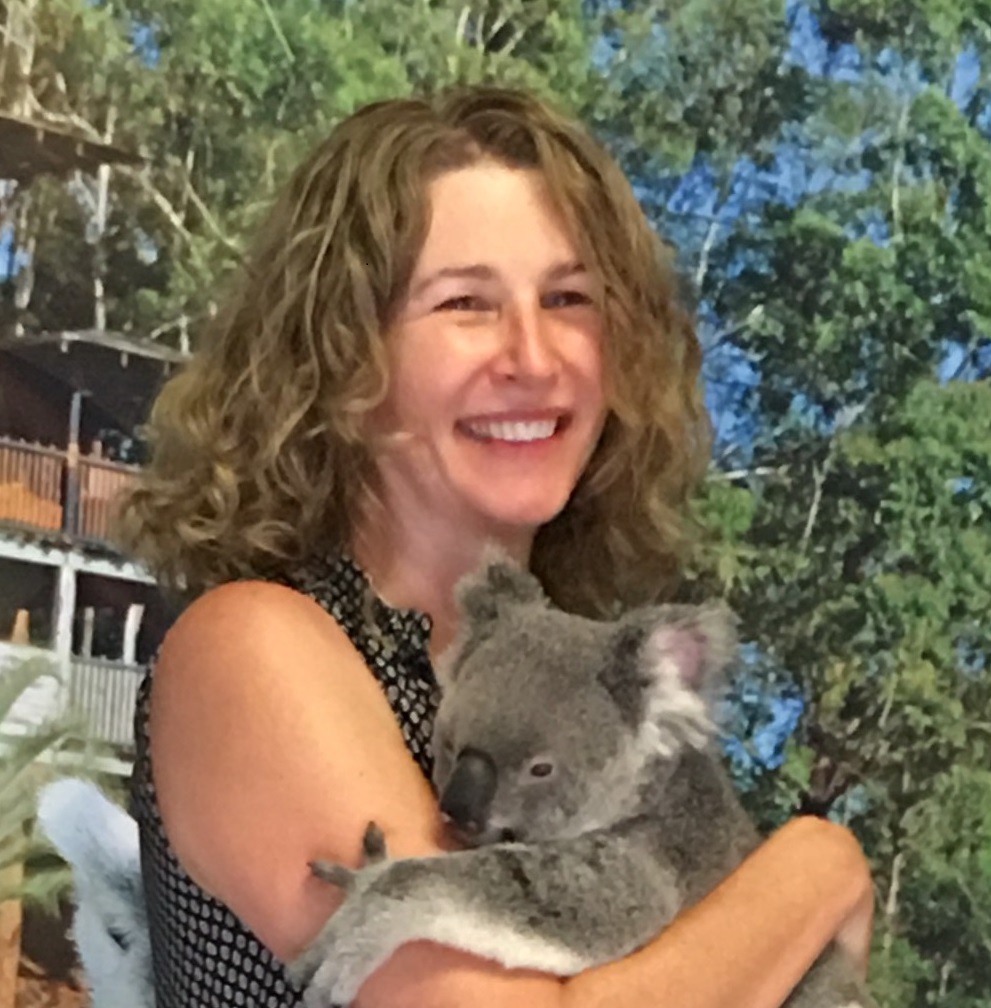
point(532, 430)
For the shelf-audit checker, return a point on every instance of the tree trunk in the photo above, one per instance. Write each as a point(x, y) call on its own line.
point(99, 229)
point(17, 43)
point(891, 903)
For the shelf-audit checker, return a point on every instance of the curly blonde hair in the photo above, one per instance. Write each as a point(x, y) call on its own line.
point(258, 454)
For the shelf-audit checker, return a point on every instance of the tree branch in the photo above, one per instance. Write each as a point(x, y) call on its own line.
point(896, 170)
point(706, 251)
point(461, 28)
point(175, 217)
point(891, 903)
point(819, 479)
point(210, 220)
point(170, 213)
point(283, 41)
point(754, 315)
point(510, 46)
point(732, 475)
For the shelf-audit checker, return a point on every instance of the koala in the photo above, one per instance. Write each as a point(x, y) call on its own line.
point(576, 760)
point(100, 842)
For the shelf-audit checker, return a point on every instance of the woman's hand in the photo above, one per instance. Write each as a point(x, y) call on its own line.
point(752, 939)
point(855, 933)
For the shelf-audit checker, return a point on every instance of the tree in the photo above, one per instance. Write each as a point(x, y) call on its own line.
point(854, 528)
point(222, 99)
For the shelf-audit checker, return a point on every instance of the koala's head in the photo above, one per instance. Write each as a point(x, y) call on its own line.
point(550, 724)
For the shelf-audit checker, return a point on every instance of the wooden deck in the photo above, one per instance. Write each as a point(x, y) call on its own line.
point(46, 489)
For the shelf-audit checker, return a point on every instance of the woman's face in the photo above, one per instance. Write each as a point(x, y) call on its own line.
point(496, 370)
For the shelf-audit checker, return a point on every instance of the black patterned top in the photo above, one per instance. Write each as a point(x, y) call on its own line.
point(204, 957)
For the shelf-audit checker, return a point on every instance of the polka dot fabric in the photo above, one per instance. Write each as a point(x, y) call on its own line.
point(204, 957)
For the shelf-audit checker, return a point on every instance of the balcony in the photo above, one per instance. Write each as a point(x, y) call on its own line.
point(62, 493)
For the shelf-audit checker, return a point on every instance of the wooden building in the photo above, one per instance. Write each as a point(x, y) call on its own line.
point(69, 403)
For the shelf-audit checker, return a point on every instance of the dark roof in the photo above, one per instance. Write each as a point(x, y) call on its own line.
point(29, 148)
point(129, 345)
point(121, 374)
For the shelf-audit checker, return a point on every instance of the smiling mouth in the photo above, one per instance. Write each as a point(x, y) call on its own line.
point(513, 431)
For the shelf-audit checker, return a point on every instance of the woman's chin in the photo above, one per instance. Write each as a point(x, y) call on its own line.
point(521, 511)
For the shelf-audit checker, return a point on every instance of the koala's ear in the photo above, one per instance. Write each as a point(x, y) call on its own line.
point(497, 582)
point(482, 597)
point(692, 645)
point(680, 658)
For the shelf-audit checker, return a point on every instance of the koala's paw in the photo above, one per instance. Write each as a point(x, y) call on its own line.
point(373, 848)
point(365, 930)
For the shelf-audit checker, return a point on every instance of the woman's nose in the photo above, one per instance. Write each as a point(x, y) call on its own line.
point(528, 350)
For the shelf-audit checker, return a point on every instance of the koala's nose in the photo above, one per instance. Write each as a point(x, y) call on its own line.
point(469, 792)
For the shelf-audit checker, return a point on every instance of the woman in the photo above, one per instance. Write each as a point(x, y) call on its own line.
point(456, 327)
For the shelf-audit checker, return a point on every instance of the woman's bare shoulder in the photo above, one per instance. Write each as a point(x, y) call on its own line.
point(253, 608)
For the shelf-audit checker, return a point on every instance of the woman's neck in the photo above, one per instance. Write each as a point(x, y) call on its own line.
point(418, 567)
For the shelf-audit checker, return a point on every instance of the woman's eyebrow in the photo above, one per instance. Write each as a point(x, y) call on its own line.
point(567, 269)
point(477, 271)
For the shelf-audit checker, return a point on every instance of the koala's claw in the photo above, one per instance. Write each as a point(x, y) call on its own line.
point(335, 874)
point(343, 955)
point(373, 844)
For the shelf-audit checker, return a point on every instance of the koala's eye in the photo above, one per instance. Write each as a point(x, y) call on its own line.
point(541, 768)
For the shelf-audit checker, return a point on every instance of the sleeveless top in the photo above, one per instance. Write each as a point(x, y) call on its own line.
point(203, 956)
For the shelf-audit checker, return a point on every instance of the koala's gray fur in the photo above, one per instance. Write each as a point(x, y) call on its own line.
point(586, 861)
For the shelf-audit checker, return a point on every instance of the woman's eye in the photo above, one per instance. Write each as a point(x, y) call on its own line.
point(466, 302)
point(566, 299)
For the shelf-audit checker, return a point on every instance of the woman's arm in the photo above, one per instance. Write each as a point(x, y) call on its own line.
point(272, 745)
point(750, 941)
point(745, 946)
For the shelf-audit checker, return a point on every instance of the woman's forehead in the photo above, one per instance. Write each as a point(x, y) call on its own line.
point(489, 215)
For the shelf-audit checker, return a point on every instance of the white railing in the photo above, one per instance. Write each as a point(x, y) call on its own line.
point(103, 692)
point(99, 691)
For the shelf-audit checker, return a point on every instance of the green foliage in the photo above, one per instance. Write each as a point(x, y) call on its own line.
point(222, 99)
point(29, 758)
point(855, 540)
point(20, 776)
point(879, 615)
